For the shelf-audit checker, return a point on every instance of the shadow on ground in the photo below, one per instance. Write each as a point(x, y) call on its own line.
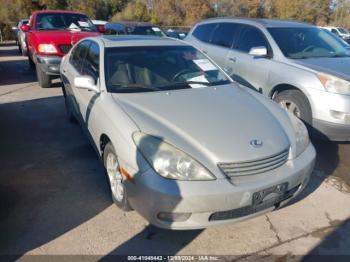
point(51, 180)
point(335, 245)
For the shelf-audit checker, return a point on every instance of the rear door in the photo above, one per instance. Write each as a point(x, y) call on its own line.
point(250, 71)
point(221, 42)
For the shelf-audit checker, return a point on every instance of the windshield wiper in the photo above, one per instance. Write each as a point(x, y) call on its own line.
point(186, 83)
point(136, 86)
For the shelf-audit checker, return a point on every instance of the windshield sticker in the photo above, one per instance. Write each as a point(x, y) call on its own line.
point(155, 29)
point(74, 27)
point(204, 64)
point(83, 24)
point(200, 78)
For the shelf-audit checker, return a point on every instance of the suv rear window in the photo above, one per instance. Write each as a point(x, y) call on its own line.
point(224, 34)
point(203, 32)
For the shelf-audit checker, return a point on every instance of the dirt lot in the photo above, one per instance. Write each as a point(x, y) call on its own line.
point(55, 199)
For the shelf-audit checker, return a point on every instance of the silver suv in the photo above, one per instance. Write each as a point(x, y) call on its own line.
point(303, 68)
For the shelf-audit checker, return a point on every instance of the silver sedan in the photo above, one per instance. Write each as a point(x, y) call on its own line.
point(181, 143)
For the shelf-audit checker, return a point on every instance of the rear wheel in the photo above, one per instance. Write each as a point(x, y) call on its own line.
point(116, 180)
point(295, 102)
point(43, 79)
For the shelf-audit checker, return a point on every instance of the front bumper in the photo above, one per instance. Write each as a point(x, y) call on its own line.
point(326, 124)
point(151, 194)
point(331, 131)
point(49, 64)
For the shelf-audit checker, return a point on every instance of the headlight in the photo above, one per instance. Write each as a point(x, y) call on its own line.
point(301, 135)
point(334, 84)
point(47, 48)
point(169, 161)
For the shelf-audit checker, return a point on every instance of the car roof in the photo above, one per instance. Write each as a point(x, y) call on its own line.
point(48, 11)
point(139, 40)
point(262, 22)
point(132, 23)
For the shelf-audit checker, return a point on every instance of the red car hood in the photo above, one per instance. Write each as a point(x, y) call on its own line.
point(62, 37)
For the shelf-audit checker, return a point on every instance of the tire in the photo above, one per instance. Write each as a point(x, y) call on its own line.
point(70, 115)
point(43, 79)
point(109, 156)
point(303, 108)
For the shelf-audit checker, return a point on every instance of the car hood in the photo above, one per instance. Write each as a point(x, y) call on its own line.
point(211, 124)
point(338, 66)
point(62, 37)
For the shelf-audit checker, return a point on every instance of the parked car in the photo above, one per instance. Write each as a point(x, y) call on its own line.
point(181, 143)
point(50, 35)
point(99, 22)
point(21, 37)
point(339, 31)
point(177, 34)
point(132, 28)
point(301, 67)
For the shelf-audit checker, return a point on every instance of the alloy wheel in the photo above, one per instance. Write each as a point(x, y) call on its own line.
point(115, 177)
point(291, 107)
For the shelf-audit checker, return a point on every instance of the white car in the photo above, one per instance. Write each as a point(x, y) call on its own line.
point(181, 143)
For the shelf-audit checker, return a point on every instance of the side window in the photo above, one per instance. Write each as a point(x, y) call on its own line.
point(79, 54)
point(92, 62)
point(224, 34)
point(334, 31)
point(111, 31)
point(203, 32)
point(251, 37)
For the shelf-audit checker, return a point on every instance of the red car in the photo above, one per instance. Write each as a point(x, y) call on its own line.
point(50, 34)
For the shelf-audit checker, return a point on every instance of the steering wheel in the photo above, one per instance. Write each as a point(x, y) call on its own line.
point(309, 48)
point(182, 72)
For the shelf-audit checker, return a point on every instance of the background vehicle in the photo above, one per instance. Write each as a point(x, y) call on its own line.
point(50, 35)
point(177, 34)
point(339, 31)
point(176, 134)
point(20, 36)
point(303, 68)
point(132, 28)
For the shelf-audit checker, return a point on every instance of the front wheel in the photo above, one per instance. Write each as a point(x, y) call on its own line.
point(295, 102)
point(116, 181)
point(43, 79)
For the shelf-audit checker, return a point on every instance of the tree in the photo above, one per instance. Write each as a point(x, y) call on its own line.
point(136, 10)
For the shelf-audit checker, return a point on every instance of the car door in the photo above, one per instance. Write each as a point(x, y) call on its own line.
point(250, 70)
point(71, 70)
point(221, 42)
point(87, 98)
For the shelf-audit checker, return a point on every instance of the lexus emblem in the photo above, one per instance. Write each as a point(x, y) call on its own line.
point(256, 143)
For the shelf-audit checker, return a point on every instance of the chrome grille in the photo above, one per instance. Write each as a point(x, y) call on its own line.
point(65, 48)
point(254, 167)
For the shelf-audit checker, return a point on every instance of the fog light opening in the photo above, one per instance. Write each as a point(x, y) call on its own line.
point(173, 217)
point(341, 116)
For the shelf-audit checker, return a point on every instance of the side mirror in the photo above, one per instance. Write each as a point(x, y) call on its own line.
point(101, 29)
point(259, 51)
point(86, 82)
point(25, 28)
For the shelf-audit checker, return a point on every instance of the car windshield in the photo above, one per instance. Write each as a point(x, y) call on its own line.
point(64, 21)
point(343, 30)
point(158, 68)
point(146, 30)
point(308, 42)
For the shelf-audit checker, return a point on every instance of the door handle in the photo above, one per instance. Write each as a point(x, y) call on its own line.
point(233, 59)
